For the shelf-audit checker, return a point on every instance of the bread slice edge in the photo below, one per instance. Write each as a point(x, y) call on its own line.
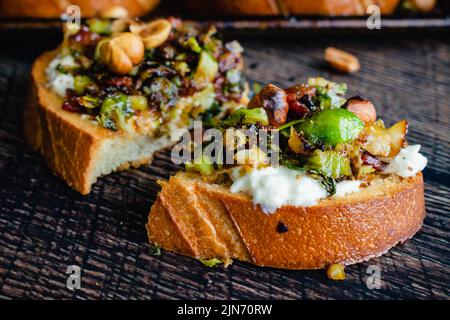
point(189, 215)
point(76, 149)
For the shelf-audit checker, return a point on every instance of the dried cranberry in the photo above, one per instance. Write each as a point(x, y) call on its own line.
point(72, 106)
point(86, 37)
point(295, 106)
point(120, 82)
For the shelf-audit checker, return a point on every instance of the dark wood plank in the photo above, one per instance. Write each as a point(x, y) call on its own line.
point(45, 226)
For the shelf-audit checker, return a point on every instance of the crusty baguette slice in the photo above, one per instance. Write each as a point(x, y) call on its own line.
point(206, 221)
point(277, 7)
point(76, 149)
point(55, 8)
point(234, 7)
point(338, 7)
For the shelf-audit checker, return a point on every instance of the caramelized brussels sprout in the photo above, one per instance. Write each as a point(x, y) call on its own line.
point(80, 83)
point(139, 102)
point(207, 68)
point(244, 116)
point(114, 112)
point(331, 127)
point(99, 26)
point(330, 163)
point(89, 102)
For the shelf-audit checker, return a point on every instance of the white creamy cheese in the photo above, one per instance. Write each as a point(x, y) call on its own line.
point(345, 187)
point(407, 163)
point(273, 187)
point(59, 81)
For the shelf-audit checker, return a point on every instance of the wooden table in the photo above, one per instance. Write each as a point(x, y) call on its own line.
point(45, 226)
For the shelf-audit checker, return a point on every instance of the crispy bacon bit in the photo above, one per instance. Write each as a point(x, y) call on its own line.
point(120, 82)
point(295, 106)
point(299, 99)
point(373, 161)
point(302, 89)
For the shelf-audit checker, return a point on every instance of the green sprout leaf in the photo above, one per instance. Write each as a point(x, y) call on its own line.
point(155, 251)
point(211, 262)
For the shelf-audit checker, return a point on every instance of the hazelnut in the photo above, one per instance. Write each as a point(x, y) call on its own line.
point(122, 52)
point(341, 60)
point(153, 34)
point(336, 272)
point(273, 100)
point(363, 109)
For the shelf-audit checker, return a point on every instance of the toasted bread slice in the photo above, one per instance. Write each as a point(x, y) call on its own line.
point(206, 221)
point(88, 8)
point(339, 7)
point(277, 7)
point(77, 149)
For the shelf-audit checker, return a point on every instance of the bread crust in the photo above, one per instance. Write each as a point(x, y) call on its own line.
point(234, 7)
point(338, 7)
point(278, 7)
point(55, 8)
point(207, 221)
point(69, 145)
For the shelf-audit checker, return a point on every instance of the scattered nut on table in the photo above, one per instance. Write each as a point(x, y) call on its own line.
point(122, 52)
point(341, 60)
point(153, 34)
point(336, 272)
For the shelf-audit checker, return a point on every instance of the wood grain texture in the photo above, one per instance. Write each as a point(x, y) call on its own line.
point(45, 226)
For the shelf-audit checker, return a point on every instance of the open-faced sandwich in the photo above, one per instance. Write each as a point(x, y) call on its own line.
point(345, 187)
point(111, 94)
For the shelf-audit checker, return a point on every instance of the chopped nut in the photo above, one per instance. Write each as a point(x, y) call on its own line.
point(273, 100)
point(363, 109)
point(153, 34)
point(341, 60)
point(122, 52)
point(296, 143)
point(254, 156)
point(120, 25)
point(336, 272)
